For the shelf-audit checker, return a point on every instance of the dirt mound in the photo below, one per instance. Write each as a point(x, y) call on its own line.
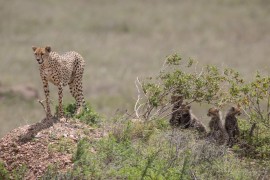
point(43, 144)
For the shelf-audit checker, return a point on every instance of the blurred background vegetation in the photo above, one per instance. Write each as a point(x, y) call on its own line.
point(121, 40)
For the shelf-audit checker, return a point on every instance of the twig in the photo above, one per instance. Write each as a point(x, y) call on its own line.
point(163, 66)
point(200, 73)
point(138, 99)
point(163, 108)
point(148, 112)
point(41, 102)
point(252, 129)
point(170, 113)
point(187, 103)
point(246, 113)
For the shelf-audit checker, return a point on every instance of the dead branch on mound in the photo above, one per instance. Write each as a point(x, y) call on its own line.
point(41, 102)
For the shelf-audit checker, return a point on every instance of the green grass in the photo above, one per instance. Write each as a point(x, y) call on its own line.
point(87, 115)
point(63, 145)
point(122, 40)
point(166, 154)
point(3, 171)
point(133, 149)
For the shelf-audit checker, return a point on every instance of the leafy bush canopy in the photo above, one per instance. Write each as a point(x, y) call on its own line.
point(208, 85)
point(179, 77)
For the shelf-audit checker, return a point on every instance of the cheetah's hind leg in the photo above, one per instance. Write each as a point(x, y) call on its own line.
point(76, 91)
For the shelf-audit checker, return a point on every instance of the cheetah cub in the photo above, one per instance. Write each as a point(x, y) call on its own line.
point(61, 70)
point(182, 115)
point(177, 102)
point(189, 120)
point(231, 124)
point(217, 132)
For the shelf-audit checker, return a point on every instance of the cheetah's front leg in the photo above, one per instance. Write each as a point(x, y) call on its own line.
point(60, 96)
point(47, 97)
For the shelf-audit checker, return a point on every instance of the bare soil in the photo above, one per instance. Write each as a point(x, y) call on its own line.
point(30, 146)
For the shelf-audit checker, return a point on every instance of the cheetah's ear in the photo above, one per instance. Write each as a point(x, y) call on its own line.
point(188, 107)
point(233, 108)
point(34, 48)
point(48, 48)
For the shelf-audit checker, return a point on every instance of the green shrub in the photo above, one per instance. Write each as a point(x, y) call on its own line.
point(63, 145)
point(181, 77)
point(82, 148)
point(50, 173)
point(256, 145)
point(210, 85)
point(88, 115)
point(130, 130)
point(19, 172)
point(3, 171)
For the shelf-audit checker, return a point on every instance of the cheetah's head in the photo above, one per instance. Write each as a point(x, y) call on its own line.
point(176, 99)
point(235, 110)
point(213, 112)
point(185, 111)
point(41, 53)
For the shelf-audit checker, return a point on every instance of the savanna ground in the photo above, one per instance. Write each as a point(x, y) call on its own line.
point(121, 40)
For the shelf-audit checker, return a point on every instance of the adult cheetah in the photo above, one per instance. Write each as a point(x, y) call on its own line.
point(61, 70)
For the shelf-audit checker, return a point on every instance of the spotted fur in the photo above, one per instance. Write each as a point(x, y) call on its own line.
point(182, 116)
point(177, 102)
point(189, 120)
point(61, 70)
point(217, 132)
point(231, 124)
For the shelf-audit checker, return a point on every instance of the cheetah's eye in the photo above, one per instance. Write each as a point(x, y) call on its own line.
point(35, 53)
point(42, 54)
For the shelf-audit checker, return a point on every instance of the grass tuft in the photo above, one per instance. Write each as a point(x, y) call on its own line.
point(88, 115)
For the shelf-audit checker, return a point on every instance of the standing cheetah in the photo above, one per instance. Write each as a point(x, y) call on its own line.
point(231, 124)
point(217, 132)
point(61, 70)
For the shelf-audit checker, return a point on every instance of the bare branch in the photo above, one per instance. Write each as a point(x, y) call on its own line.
point(41, 102)
point(200, 73)
point(170, 113)
point(138, 99)
point(246, 113)
point(164, 65)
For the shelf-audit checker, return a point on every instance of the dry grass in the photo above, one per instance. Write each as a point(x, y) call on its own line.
point(124, 39)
